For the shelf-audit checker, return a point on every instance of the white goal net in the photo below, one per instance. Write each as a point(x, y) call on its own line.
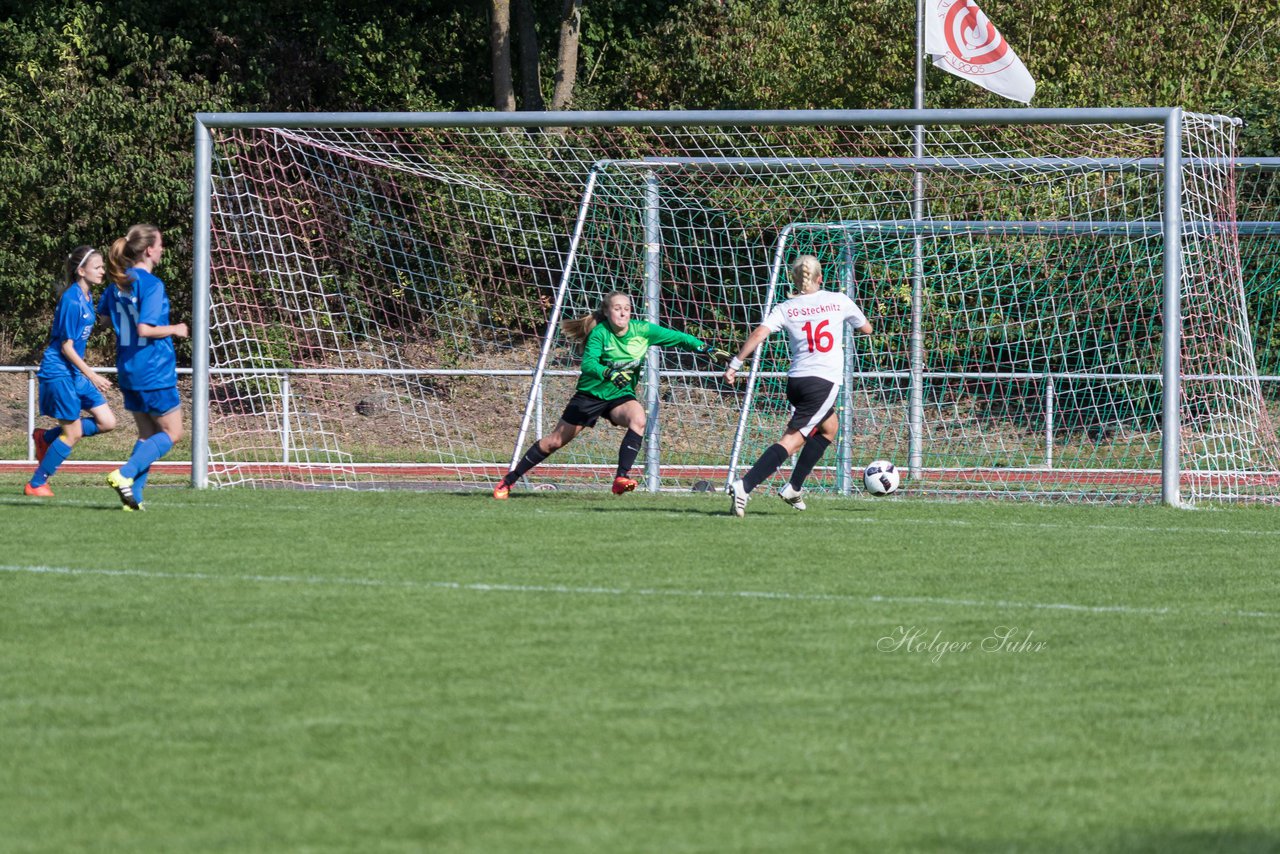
point(384, 301)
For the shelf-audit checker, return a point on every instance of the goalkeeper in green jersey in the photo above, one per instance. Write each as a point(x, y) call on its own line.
point(614, 349)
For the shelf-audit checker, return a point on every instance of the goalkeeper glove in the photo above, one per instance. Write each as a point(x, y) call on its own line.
point(621, 378)
point(715, 353)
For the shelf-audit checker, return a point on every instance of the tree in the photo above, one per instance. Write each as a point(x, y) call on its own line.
point(97, 96)
point(530, 67)
point(504, 94)
point(96, 127)
point(567, 55)
point(500, 41)
point(1212, 56)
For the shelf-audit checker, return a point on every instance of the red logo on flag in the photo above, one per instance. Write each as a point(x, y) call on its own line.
point(964, 42)
point(971, 36)
point(976, 45)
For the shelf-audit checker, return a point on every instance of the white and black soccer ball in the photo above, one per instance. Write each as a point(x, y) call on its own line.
point(881, 478)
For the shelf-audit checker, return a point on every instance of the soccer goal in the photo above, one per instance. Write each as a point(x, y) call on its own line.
point(1057, 296)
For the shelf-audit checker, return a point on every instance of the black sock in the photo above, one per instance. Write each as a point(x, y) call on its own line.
point(628, 451)
point(531, 458)
point(773, 457)
point(810, 454)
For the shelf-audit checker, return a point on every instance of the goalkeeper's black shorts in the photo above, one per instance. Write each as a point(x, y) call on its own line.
point(585, 409)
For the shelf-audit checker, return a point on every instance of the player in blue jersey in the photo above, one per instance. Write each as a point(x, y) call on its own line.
point(138, 307)
point(68, 386)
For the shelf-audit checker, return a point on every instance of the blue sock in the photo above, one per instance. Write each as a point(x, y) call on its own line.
point(52, 433)
point(147, 452)
point(139, 479)
point(89, 427)
point(140, 483)
point(54, 457)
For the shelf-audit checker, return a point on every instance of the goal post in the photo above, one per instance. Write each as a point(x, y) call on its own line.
point(378, 296)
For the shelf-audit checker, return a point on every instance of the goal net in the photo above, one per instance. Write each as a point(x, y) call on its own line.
point(384, 302)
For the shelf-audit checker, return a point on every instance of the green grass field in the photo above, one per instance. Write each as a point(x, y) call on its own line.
point(279, 671)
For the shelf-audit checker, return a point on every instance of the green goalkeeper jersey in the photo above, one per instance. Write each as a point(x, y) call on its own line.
point(604, 349)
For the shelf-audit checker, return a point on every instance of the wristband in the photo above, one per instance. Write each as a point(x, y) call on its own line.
point(735, 363)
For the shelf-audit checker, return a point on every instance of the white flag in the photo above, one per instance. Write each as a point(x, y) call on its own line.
point(962, 41)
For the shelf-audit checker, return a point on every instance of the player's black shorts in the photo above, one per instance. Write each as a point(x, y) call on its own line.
point(585, 409)
point(814, 399)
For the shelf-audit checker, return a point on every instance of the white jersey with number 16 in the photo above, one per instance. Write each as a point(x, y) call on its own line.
point(813, 323)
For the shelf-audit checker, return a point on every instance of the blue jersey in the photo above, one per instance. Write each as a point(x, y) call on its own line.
point(72, 321)
point(144, 363)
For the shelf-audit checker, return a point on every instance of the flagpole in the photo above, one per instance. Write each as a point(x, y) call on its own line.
point(918, 100)
point(915, 410)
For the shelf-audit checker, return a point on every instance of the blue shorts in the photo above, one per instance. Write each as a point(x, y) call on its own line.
point(155, 401)
point(65, 397)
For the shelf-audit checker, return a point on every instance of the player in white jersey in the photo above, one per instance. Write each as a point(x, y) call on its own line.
point(814, 321)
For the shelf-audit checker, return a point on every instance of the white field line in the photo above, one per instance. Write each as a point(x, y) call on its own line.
point(1117, 529)
point(555, 589)
point(167, 506)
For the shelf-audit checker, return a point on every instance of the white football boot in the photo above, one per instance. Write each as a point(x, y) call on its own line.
point(740, 497)
point(794, 497)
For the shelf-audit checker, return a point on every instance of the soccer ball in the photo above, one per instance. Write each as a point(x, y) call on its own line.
point(880, 478)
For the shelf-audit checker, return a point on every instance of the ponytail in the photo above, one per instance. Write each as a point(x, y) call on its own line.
point(126, 251)
point(117, 264)
point(578, 328)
